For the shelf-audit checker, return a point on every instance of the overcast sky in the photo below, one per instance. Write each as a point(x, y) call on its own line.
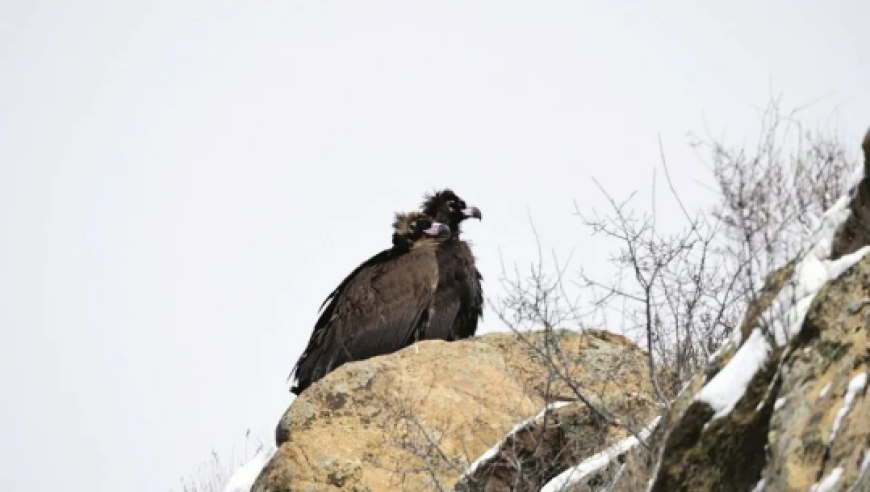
point(182, 183)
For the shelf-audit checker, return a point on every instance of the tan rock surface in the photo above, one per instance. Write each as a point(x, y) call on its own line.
point(416, 419)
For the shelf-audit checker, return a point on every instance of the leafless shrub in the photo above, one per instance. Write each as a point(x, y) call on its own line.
point(669, 289)
point(679, 289)
point(774, 193)
point(682, 294)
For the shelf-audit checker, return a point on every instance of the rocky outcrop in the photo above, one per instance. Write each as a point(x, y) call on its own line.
point(418, 418)
point(803, 420)
point(782, 406)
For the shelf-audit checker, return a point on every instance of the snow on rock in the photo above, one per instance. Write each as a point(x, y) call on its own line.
point(695, 463)
point(779, 403)
point(824, 391)
point(759, 487)
point(829, 482)
point(493, 451)
point(786, 313)
point(597, 461)
point(726, 389)
point(855, 385)
point(245, 476)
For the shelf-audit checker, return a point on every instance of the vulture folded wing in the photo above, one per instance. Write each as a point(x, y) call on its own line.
point(385, 312)
point(459, 299)
point(447, 306)
point(382, 257)
point(467, 319)
point(377, 310)
point(304, 368)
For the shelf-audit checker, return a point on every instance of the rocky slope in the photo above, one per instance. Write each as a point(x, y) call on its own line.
point(793, 416)
point(416, 419)
point(803, 421)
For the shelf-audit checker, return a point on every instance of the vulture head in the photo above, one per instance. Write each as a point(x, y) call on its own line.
point(411, 228)
point(445, 206)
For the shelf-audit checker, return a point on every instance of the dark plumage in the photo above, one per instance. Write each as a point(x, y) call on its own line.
point(382, 306)
point(459, 298)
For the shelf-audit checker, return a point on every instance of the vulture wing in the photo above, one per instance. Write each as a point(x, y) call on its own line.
point(448, 302)
point(309, 355)
point(378, 309)
point(459, 299)
point(472, 297)
point(466, 322)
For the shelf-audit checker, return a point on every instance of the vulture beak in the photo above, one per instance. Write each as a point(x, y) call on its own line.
point(438, 230)
point(471, 212)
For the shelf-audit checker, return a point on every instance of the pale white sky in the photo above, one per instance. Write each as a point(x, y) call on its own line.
point(182, 183)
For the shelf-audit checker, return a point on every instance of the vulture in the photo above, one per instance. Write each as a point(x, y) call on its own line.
point(384, 305)
point(459, 297)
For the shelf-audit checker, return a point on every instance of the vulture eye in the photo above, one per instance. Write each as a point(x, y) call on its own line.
point(423, 224)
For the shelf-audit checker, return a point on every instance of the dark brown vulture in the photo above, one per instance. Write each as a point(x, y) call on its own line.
point(459, 298)
point(384, 305)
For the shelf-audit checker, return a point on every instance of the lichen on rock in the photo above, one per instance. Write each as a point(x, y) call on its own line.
point(417, 418)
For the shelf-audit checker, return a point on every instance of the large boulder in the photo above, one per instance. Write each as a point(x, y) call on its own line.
point(416, 419)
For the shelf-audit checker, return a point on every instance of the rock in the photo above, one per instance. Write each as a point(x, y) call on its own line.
point(535, 453)
point(782, 430)
point(417, 418)
point(854, 233)
point(803, 422)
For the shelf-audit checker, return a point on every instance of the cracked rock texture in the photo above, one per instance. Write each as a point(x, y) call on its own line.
point(804, 420)
point(415, 419)
point(782, 430)
point(557, 440)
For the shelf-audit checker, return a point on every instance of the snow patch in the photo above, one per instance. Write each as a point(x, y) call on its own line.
point(245, 476)
point(493, 451)
point(786, 314)
point(779, 403)
point(824, 391)
point(573, 475)
point(759, 487)
point(829, 482)
point(855, 385)
point(728, 386)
